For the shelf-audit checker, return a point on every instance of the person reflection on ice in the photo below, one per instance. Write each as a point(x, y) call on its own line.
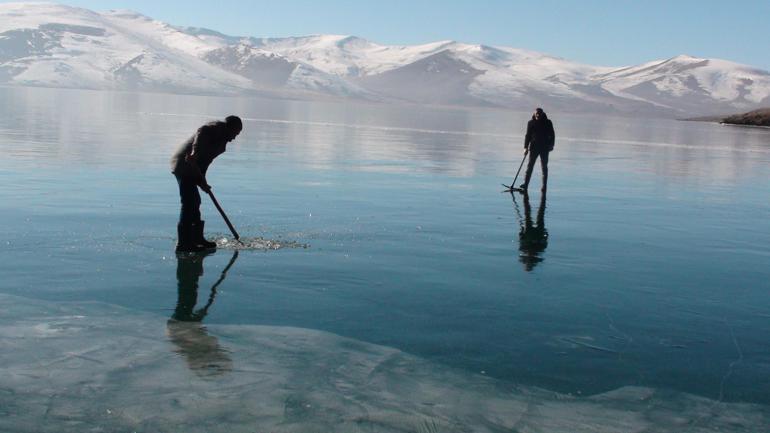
point(202, 352)
point(533, 238)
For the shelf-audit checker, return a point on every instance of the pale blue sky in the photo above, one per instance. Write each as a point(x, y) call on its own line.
point(599, 32)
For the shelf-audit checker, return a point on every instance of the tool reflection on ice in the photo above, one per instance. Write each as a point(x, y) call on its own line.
point(202, 351)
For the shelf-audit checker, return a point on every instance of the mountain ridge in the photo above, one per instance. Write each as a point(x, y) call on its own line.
point(53, 45)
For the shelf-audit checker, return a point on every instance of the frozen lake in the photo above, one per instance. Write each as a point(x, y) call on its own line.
point(409, 293)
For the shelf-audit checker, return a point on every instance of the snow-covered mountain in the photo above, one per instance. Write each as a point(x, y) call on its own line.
point(45, 44)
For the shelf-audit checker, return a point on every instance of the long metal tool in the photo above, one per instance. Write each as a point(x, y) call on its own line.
point(511, 186)
point(227, 220)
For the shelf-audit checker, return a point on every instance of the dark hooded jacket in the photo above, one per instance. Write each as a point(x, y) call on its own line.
point(540, 135)
point(209, 141)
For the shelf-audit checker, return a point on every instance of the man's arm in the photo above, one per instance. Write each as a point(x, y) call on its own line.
point(551, 135)
point(528, 135)
point(192, 159)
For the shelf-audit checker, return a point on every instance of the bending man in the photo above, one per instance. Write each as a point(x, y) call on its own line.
point(538, 142)
point(189, 164)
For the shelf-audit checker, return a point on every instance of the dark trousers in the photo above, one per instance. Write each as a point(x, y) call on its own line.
point(191, 200)
point(534, 153)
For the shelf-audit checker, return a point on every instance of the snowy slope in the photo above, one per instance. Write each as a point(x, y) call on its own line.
point(269, 71)
point(55, 45)
point(47, 44)
point(686, 81)
point(348, 56)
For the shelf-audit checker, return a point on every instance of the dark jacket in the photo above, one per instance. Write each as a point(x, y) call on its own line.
point(540, 135)
point(208, 142)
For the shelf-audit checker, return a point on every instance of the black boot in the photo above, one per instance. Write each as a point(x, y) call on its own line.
point(199, 236)
point(186, 241)
point(527, 177)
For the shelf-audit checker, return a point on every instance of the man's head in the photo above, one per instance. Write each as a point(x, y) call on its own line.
point(234, 126)
point(539, 114)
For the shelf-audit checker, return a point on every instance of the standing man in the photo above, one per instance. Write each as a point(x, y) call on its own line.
point(538, 142)
point(189, 165)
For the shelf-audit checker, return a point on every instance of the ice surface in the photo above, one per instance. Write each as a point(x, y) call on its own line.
point(96, 367)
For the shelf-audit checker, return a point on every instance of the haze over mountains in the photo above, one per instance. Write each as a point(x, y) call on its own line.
point(45, 44)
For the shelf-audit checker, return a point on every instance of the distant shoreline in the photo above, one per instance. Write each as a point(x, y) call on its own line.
point(717, 119)
point(757, 118)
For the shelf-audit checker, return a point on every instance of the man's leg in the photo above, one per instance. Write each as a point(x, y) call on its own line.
point(544, 168)
point(530, 166)
point(189, 215)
